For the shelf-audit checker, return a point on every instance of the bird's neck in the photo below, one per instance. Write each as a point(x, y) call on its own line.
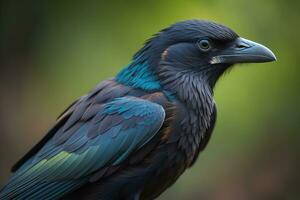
point(138, 74)
point(187, 86)
point(191, 89)
point(196, 96)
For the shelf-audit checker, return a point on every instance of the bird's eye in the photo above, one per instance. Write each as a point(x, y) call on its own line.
point(204, 45)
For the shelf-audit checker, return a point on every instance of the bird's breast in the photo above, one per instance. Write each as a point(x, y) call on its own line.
point(189, 130)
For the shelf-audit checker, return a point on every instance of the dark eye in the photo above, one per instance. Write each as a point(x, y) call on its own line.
point(204, 45)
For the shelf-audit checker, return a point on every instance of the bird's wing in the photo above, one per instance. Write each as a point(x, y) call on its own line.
point(105, 135)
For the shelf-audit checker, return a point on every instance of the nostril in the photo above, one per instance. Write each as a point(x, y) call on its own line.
point(242, 46)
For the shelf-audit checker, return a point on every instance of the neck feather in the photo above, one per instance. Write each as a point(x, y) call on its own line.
point(196, 95)
point(190, 88)
point(139, 74)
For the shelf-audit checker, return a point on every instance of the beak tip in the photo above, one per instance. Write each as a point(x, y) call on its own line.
point(274, 58)
point(270, 57)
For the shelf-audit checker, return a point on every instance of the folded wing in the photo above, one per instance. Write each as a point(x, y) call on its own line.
point(104, 135)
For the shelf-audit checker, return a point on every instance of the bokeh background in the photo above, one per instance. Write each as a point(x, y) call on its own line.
point(52, 52)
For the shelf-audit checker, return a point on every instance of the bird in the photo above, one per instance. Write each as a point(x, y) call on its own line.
point(134, 135)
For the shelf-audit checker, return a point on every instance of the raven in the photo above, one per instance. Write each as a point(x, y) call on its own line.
point(132, 136)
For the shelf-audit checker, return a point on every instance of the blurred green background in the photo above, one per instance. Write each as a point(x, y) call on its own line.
point(52, 52)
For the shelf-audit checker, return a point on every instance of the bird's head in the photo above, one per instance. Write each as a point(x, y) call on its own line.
point(202, 48)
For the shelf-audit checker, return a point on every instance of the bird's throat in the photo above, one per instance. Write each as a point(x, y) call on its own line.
point(191, 89)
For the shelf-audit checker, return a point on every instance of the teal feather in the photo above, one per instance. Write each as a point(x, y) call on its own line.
point(139, 75)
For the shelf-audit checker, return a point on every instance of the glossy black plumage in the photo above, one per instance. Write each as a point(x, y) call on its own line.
point(132, 136)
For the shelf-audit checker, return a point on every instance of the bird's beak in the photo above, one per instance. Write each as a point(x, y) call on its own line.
point(244, 51)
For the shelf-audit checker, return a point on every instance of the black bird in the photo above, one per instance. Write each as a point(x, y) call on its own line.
point(133, 136)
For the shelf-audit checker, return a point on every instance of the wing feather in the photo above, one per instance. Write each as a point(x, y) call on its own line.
point(120, 127)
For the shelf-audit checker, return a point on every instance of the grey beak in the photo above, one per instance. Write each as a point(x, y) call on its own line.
point(244, 51)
